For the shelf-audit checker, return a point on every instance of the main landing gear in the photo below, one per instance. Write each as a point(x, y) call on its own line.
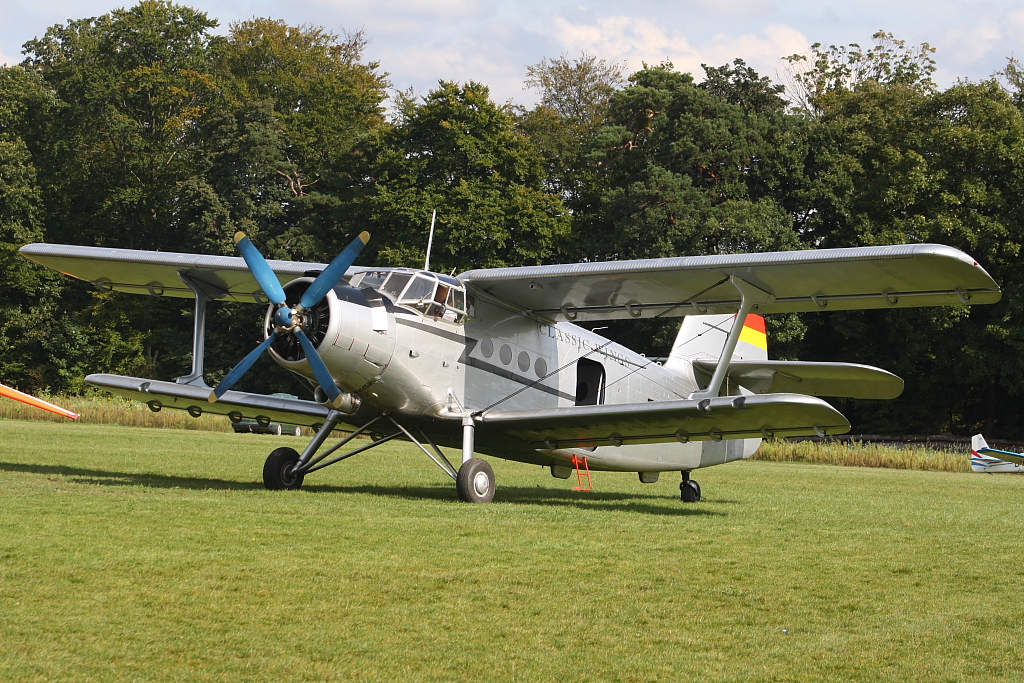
point(285, 468)
point(689, 490)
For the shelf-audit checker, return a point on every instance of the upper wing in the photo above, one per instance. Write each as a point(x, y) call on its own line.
point(832, 279)
point(188, 397)
point(729, 417)
point(848, 380)
point(157, 272)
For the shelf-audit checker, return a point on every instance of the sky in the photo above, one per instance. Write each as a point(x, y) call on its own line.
point(419, 42)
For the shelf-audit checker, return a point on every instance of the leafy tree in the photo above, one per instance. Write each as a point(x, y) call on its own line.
point(740, 85)
point(680, 162)
point(838, 69)
point(324, 99)
point(459, 153)
point(686, 171)
point(573, 108)
point(136, 85)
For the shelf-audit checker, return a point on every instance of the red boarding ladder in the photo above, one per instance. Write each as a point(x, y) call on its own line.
point(580, 472)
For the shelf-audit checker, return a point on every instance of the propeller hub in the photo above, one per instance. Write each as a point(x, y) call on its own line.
point(288, 319)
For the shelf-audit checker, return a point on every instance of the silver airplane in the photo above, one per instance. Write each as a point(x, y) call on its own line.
point(495, 361)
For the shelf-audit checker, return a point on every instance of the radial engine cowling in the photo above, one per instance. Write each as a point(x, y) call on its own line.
point(352, 330)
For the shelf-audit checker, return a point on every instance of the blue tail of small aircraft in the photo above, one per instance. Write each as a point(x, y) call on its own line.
point(993, 460)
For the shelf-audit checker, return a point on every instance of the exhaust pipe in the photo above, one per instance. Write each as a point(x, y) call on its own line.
point(345, 403)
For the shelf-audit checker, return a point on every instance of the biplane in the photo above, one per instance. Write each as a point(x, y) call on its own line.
point(498, 361)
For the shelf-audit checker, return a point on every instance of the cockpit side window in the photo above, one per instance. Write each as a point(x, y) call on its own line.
point(420, 289)
point(371, 279)
point(396, 283)
point(457, 299)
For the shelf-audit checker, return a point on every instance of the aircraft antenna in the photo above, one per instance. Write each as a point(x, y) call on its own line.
point(430, 240)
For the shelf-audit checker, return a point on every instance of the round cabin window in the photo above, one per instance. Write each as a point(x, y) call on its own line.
point(541, 367)
point(524, 361)
point(486, 347)
point(505, 353)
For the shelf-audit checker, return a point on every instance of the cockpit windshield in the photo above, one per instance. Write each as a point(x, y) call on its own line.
point(434, 295)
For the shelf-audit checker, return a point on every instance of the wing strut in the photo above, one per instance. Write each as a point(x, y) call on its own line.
point(204, 292)
point(750, 296)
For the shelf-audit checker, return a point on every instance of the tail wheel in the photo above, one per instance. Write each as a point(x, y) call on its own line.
point(475, 482)
point(689, 491)
point(279, 470)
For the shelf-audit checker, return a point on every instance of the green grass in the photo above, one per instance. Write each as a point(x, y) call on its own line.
point(156, 555)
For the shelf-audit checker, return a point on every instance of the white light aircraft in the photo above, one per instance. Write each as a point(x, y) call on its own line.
point(494, 361)
point(993, 460)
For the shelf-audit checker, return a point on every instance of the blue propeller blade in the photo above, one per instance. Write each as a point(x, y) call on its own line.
point(260, 269)
point(331, 275)
point(323, 375)
point(240, 369)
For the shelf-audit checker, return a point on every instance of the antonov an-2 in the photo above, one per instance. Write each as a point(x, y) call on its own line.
point(493, 361)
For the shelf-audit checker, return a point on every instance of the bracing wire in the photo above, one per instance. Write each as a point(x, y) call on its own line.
point(596, 349)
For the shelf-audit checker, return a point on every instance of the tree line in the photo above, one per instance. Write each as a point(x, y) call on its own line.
point(142, 129)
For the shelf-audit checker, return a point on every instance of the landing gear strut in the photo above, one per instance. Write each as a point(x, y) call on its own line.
point(689, 490)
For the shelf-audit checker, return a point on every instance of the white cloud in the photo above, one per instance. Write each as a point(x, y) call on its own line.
point(635, 41)
point(968, 44)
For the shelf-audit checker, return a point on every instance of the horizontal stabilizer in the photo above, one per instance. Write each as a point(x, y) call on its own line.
point(898, 276)
point(186, 397)
point(847, 380)
point(1002, 455)
point(726, 417)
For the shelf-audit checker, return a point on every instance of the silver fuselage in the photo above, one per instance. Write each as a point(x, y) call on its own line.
point(431, 371)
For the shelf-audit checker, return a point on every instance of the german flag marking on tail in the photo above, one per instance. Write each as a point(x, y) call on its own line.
point(754, 331)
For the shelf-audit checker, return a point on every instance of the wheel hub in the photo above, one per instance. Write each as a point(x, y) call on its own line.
point(481, 483)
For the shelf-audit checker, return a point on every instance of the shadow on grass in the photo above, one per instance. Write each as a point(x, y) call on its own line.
point(515, 495)
point(108, 478)
point(532, 495)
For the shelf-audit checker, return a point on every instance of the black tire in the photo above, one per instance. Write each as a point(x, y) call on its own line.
point(277, 470)
point(689, 491)
point(475, 482)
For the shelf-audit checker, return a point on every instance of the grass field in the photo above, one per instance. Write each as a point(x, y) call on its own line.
point(156, 555)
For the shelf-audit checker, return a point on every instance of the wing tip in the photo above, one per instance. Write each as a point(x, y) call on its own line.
point(364, 237)
point(239, 236)
point(212, 398)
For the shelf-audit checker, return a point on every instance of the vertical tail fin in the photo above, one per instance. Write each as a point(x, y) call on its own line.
point(978, 443)
point(704, 336)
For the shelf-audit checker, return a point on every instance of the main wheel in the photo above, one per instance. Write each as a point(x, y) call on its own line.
point(689, 491)
point(475, 483)
point(279, 470)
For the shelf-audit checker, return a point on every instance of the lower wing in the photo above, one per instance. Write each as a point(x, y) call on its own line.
point(234, 404)
point(726, 417)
